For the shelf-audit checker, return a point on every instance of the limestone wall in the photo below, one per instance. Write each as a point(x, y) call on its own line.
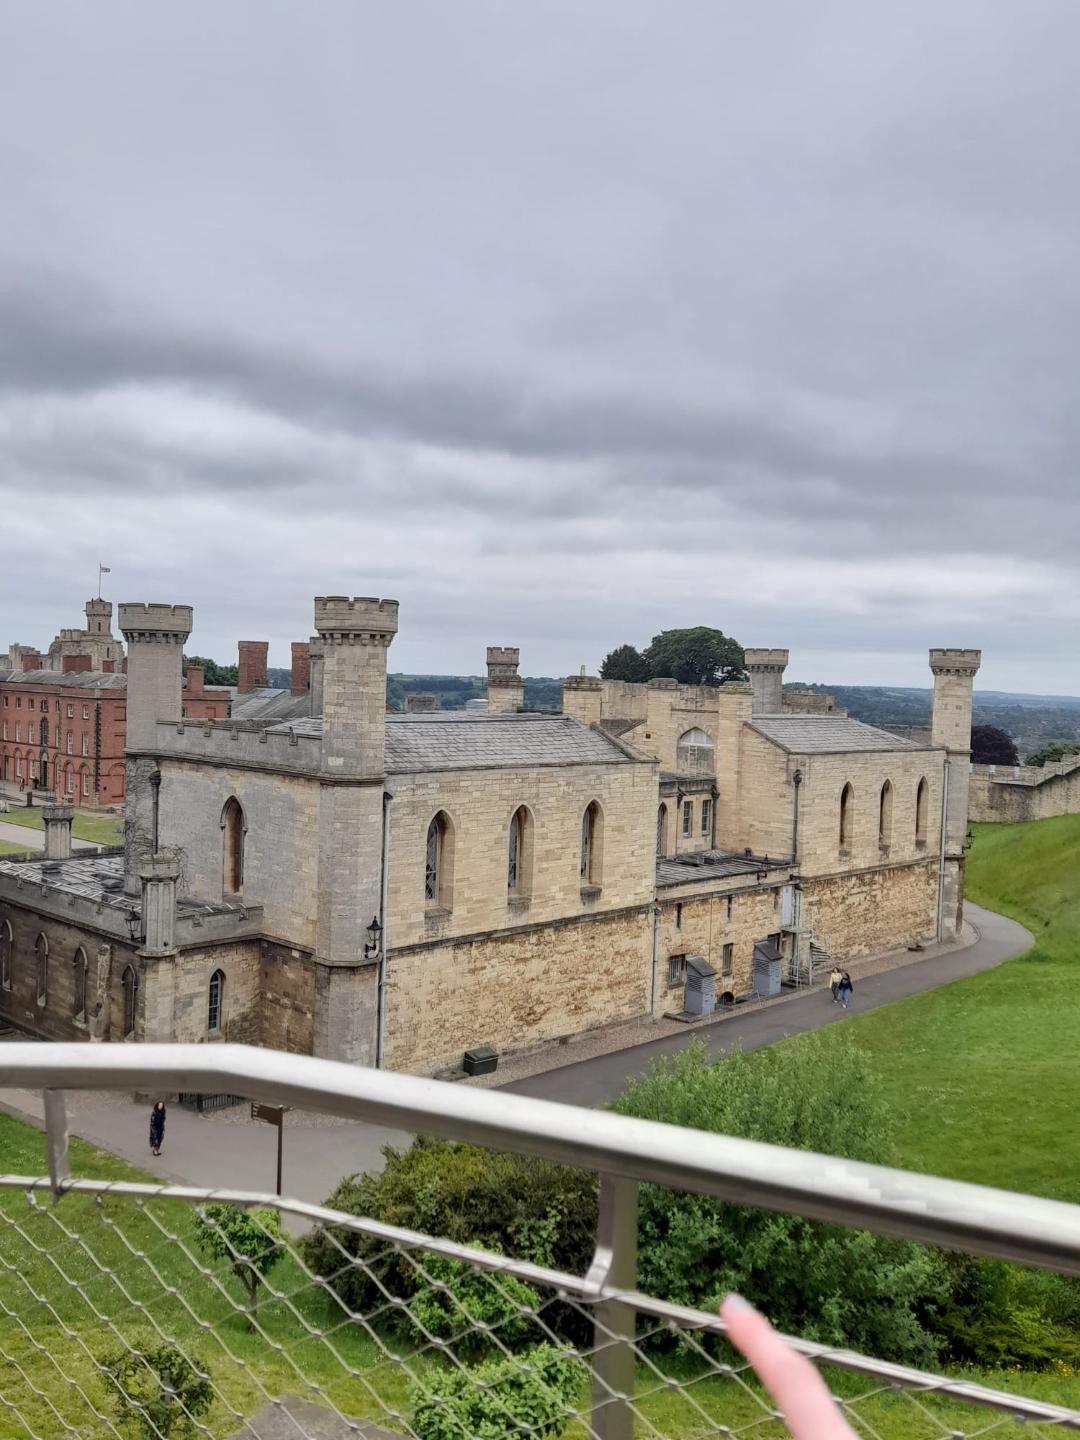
point(176, 993)
point(516, 989)
point(280, 845)
point(1018, 793)
point(703, 924)
point(479, 805)
point(881, 909)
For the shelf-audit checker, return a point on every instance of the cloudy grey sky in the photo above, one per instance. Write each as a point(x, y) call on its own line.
point(563, 323)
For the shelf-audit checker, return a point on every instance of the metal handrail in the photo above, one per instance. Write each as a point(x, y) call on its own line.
point(976, 1218)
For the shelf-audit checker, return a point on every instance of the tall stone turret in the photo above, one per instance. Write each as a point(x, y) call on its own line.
point(99, 619)
point(354, 636)
point(766, 670)
point(156, 635)
point(505, 691)
point(954, 671)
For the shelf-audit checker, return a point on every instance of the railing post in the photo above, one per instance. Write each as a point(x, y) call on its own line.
point(615, 1266)
point(56, 1140)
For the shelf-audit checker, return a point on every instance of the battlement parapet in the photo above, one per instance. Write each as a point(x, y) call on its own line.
point(142, 623)
point(582, 682)
point(955, 662)
point(766, 659)
point(362, 620)
point(244, 743)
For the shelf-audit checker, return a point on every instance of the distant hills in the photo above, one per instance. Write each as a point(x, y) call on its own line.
point(1031, 720)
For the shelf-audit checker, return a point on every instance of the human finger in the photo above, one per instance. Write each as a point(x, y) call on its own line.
point(801, 1395)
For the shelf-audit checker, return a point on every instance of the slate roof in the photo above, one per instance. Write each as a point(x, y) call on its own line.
point(99, 878)
point(826, 734)
point(269, 704)
point(78, 679)
point(473, 740)
point(715, 864)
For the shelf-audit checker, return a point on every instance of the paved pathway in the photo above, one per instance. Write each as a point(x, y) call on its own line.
point(228, 1150)
point(593, 1082)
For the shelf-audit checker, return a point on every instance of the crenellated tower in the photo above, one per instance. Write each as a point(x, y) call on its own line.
point(505, 690)
point(155, 635)
point(954, 672)
point(354, 636)
point(766, 671)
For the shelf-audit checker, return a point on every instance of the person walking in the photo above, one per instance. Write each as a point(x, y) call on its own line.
point(157, 1127)
point(847, 989)
point(834, 984)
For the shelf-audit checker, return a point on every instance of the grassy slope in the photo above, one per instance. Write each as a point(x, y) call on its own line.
point(87, 825)
point(984, 1071)
point(8, 848)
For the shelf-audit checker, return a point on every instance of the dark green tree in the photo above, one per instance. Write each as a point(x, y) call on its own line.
point(215, 674)
point(698, 656)
point(992, 746)
point(624, 663)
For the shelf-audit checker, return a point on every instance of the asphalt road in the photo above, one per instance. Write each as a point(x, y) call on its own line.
point(596, 1081)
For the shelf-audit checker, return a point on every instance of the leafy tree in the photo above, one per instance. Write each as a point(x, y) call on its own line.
point(529, 1394)
point(832, 1284)
point(625, 663)
point(157, 1391)
point(992, 746)
point(1053, 751)
point(215, 674)
point(511, 1204)
point(472, 1308)
point(251, 1240)
point(698, 656)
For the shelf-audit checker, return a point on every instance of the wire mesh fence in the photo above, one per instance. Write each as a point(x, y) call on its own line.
point(142, 1310)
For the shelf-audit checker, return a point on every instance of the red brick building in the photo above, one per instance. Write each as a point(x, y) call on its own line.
point(64, 730)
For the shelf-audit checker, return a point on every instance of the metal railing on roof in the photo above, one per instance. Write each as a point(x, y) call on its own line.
point(106, 1266)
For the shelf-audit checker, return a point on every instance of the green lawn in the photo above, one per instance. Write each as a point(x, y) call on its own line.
point(984, 1073)
point(7, 847)
point(87, 825)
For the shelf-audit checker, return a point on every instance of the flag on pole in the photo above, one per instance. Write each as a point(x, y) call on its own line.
point(104, 570)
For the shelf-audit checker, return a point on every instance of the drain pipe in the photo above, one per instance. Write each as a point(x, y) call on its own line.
point(797, 782)
point(384, 888)
point(655, 953)
point(941, 851)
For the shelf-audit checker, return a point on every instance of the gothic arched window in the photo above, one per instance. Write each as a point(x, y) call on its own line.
point(41, 968)
point(233, 827)
point(519, 853)
point(215, 995)
point(78, 984)
point(129, 983)
point(439, 862)
point(922, 808)
point(592, 845)
point(847, 816)
point(695, 754)
point(885, 814)
point(7, 945)
point(661, 832)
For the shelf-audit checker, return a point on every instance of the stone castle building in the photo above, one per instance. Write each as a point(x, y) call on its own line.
point(329, 879)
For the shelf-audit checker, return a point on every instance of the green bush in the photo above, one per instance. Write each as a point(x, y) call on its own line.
point(156, 1389)
point(460, 1299)
point(531, 1393)
point(513, 1205)
point(832, 1284)
point(1003, 1315)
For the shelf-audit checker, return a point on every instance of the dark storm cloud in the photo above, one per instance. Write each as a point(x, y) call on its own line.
point(592, 319)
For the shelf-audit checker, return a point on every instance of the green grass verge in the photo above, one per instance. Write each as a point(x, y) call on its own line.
point(73, 1274)
point(983, 1073)
point(87, 825)
point(8, 847)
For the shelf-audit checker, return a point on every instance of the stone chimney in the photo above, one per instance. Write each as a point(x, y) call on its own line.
point(582, 697)
point(74, 664)
point(158, 877)
point(505, 692)
point(419, 704)
point(766, 670)
point(58, 820)
point(251, 666)
point(300, 674)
